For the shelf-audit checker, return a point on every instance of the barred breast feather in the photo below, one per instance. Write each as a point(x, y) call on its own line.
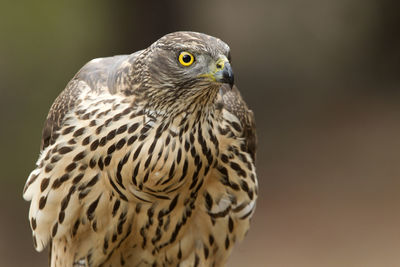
point(119, 183)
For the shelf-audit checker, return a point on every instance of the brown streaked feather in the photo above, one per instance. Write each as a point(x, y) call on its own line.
point(234, 103)
point(61, 106)
point(144, 163)
point(99, 74)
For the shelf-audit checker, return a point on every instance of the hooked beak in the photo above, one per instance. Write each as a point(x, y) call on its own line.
point(224, 73)
point(221, 72)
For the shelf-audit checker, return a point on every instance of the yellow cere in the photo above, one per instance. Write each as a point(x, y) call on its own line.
point(220, 64)
point(186, 59)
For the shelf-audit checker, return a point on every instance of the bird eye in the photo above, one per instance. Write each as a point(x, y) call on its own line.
point(186, 59)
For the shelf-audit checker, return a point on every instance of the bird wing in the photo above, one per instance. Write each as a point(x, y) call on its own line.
point(233, 102)
point(99, 75)
point(68, 188)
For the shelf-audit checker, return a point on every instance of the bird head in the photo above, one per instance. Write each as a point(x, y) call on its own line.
point(186, 67)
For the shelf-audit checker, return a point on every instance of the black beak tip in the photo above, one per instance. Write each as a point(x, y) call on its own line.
point(230, 79)
point(228, 76)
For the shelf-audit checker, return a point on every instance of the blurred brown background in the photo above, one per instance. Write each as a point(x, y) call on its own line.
point(322, 77)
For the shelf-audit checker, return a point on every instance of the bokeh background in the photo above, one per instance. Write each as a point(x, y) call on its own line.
point(322, 77)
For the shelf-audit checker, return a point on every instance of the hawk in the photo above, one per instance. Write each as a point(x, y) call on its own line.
point(146, 159)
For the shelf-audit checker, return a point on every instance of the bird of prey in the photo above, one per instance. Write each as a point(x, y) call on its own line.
point(146, 159)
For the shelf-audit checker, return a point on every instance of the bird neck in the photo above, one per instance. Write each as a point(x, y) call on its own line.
point(189, 102)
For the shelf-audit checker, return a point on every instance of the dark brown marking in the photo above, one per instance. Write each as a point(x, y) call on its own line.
point(92, 208)
point(196, 260)
point(236, 126)
point(70, 167)
point(79, 156)
point(105, 245)
point(92, 163)
point(132, 139)
point(111, 149)
point(93, 181)
point(71, 142)
point(171, 171)
point(244, 185)
point(175, 233)
point(86, 116)
point(121, 221)
point(238, 169)
point(116, 189)
point(83, 167)
point(230, 225)
point(253, 178)
point(146, 177)
point(48, 168)
point(120, 143)
point(126, 111)
point(61, 216)
point(111, 135)
point(167, 140)
point(86, 141)
point(76, 226)
point(250, 193)
point(68, 130)
point(103, 141)
point(117, 117)
point(107, 160)
point(138, 207)
point(64, 150)
point(122, 260)
point(99, 128)
point(33, 223)
point(122, 129)
point(179, 253)
point(187, 146)
point(147, 162)
point(133, 127)
point(246, 215)
point(114, 237)
point(94, 145)
point(44, 184)
point(54, 230)
point(240, 207)
point(55, 158)
point(83, 194)
point(116, 206)
point(152, 146)
point(173, 203)
point(107, 122)
point(209, 201)
point(223, 131)
point(206, 252)
point(179, 156)
point(47, 155)
point(100, 163)
point(59, 181)
point(94, 225)
point(136, 154)
point(79, 132)
point(220, 214)
point(224, 158)
point(184, 170)
point(65, 201)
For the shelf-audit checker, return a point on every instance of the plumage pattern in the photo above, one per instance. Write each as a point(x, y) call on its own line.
point(145, 162)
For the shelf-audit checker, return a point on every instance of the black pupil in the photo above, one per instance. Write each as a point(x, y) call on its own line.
point(186, 58)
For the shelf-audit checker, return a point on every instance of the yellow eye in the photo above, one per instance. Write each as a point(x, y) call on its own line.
point(186, 59)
